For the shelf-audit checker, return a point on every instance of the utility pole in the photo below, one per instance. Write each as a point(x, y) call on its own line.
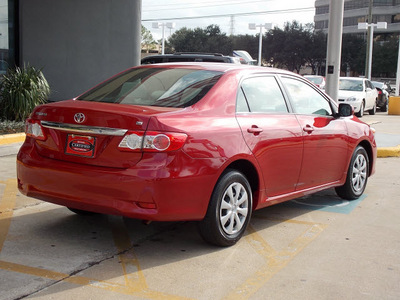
point(333, 55)
point(369, 33)
point(232, 25)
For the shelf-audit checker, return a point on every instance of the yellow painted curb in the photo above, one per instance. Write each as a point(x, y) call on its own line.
point(394, 106)
point(389, 151)
point(12, 138)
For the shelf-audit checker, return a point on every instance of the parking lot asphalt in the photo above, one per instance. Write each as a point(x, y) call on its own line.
point(314, 247)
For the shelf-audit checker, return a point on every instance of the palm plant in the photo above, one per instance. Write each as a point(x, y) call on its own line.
point(21, 89)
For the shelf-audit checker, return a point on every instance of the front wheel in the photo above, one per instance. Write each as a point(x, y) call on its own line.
point(357, 176)
point(229, 210)
point(361, 112)
point(372, 111)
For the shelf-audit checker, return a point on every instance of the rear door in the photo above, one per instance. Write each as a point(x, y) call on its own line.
point(272, 134)
point(325, 137)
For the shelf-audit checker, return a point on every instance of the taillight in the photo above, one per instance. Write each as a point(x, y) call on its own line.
point(152, 141)
point(34, 129)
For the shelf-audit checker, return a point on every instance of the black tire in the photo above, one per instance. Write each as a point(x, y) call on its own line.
point(384, 107)
point(82, 212)
point(372, 111)
point(357, 176)
point(229, 210)
point(361, 112)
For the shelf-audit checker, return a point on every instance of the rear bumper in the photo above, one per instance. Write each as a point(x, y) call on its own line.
point(160, 188)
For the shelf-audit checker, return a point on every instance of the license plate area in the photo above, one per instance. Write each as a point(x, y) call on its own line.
point(80, 145)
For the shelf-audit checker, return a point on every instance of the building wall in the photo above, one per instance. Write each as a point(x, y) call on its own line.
point(356, 11)
point(79, 43)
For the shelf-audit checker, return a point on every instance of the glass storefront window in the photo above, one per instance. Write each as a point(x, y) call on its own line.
point(7, 34)
point(4, 46)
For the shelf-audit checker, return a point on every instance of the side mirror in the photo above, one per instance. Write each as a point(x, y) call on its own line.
point(345, 110)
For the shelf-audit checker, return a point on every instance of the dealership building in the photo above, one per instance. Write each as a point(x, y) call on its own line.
point(77, 43)
point(357, 11)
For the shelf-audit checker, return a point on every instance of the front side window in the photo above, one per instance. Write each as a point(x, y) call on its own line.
point(155, 87)
point(305, 99)
point(263, 95)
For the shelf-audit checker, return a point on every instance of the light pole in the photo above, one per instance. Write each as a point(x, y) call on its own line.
point(169, 25)
point(253, 26)
point(365, 26)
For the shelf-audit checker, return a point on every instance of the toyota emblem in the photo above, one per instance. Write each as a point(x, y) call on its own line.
point(79, 118)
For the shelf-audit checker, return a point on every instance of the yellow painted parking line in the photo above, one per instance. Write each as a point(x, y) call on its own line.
point(134, 277)
point(135, 281)
point(12, 138)
point(57, 276)
point(130, 264)
point(7, 203)
point(274, 260)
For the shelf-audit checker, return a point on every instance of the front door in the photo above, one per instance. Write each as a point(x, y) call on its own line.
point(325, 138)
point(273, 135)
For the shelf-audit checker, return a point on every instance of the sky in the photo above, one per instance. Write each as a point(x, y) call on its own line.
point(195, 13)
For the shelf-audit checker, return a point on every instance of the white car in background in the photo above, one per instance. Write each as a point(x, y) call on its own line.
point(359, 93)
point(319, 81)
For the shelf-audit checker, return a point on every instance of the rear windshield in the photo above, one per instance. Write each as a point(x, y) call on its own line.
point(155, 87)
point(316, 80)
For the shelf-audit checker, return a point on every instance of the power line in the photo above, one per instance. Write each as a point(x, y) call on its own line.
point(265, 12)
point(202, 5)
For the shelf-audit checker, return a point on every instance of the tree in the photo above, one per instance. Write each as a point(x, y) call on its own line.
point(289, 47)
point(246, 42)
point(353, 53)
point(210, 39)
point(317, 52)
point(385, 57)
point(147, 39)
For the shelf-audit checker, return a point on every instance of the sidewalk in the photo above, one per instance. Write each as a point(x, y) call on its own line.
point(387, 133)
point(387, 136)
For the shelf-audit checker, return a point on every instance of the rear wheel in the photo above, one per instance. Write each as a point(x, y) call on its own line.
point(229, 210)
point(384, 107)
point(357, 176)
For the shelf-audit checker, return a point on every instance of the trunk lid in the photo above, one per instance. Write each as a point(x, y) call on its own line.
point(89, 132)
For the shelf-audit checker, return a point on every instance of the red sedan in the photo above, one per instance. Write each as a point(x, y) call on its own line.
point(206, 142)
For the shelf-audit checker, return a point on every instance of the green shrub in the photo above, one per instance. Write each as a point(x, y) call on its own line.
point(21, 89)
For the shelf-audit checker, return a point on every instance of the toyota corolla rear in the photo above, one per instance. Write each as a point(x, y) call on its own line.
point(117, 148)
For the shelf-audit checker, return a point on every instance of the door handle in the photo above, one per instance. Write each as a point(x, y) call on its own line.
point(308, 128)
point(254, 130)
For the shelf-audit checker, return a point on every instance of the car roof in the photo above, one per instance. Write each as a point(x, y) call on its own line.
point(353, 78)
point(221, 67)
point(185, 56)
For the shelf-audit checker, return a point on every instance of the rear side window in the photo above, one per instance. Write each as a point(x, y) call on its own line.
point(155, 87)
point(263, 95)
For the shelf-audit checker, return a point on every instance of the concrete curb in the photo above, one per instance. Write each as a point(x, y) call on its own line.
point(389, 151)
point(20, 137)
point(12, 138)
